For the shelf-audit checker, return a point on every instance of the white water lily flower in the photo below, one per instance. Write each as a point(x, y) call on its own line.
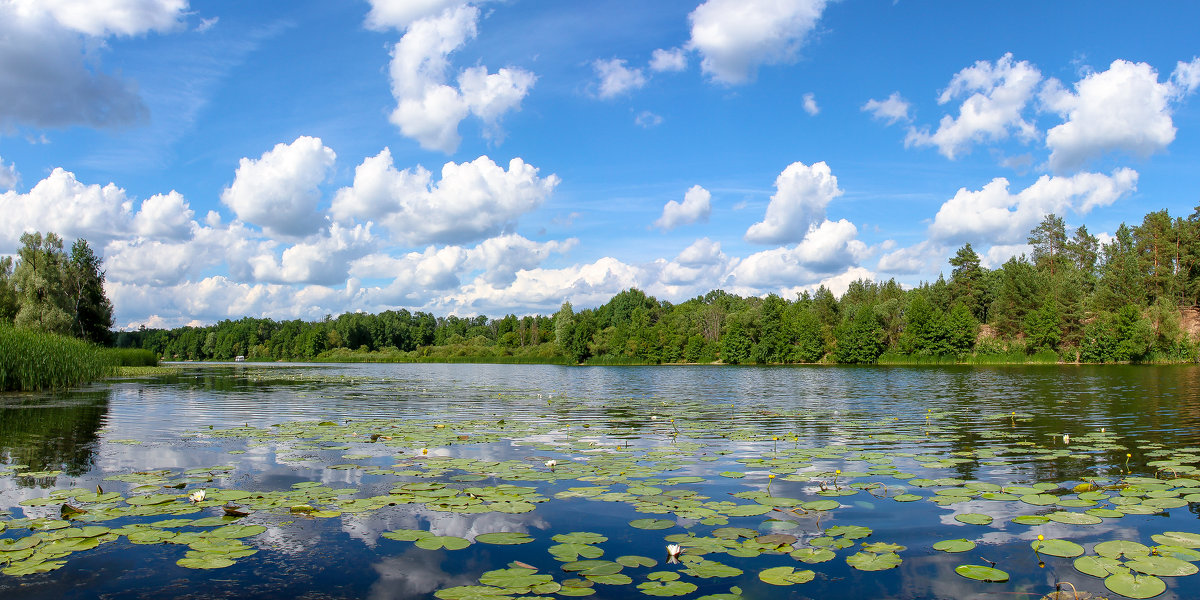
point(1066, 438)
point(197, 496)
point(550, 463)
point(674, 550)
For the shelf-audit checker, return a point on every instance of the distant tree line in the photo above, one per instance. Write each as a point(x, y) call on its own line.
point(46, 289)
point(1073, 299)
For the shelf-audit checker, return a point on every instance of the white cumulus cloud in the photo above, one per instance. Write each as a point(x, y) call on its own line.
point(1124, 108)
point(323, 259)
point(616, 78)
point(892, 109)
point(994, 215)
point(809, 104)
point(921, 257)
point(674, 59)
point(696, 207)
point(279, 191)
point(471, 201)
point(827, 249)
point(165, 216)
point(996, 95)
point(62, 204)
point(399, 14)
point(799, 204)
point(701, 264)
point(734, 37)
point(429, 109)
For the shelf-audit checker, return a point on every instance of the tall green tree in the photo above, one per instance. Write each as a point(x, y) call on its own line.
point(1121, 281)
point(1017, 293)
point(93, 312)
point(8, 293)
point(966, 281)
point(859, 337)
point(1049, 240)
point(40, 280)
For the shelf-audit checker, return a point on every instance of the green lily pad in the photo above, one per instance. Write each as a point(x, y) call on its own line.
point(1178, 538)
point(982, 573)
point(813, 555)
point(406, 535)
point(973, 518)
point(580, 537)
point(1120, 549)
point(1074, 518)
point(1030, 520)
point(1132, 585)
point(205, 560)
point(1099, 566)
point(31, 566)
point(237, 531)
point(438, 542)
point(785, 576)
point(959, 545)
point(652, 523)
point(871, 561)
point(504, 538)
point(636, 561)
point(820, 505)
point(666, 588)
point(514, 578)
point(1162, 566)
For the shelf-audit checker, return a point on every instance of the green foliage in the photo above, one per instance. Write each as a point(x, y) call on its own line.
point(860, 338)
point(38, 360)
point(40, 279)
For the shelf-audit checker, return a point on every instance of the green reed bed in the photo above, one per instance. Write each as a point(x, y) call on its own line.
point(31, 360)
point(131, 357)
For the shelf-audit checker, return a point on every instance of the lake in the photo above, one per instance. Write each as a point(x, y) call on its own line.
point(515, 481)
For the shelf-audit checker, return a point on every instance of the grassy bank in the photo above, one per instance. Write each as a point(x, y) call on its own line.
point(32, 360)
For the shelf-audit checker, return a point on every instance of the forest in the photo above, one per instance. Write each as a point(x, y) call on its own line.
point(1072, 299)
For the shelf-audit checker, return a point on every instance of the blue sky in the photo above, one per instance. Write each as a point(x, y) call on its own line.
point(293, 159)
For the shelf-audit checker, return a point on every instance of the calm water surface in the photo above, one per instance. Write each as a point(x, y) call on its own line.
point(886, 426)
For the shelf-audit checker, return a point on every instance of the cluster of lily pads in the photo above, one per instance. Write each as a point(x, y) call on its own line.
point(793, 472)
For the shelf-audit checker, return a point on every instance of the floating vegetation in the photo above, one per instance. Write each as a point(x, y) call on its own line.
point(783, 499)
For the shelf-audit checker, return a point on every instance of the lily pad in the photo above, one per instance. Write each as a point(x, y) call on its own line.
point(504, 538)
point(952, 546)
point(1121, 549)
point(871, 561)
point(1099, 566)
point(973, 519)
point(1162, 566)
point(785, 576)
point(1132, 585)
point(652, 523)
point(666, 588)
point(438, 542)
point(205, 560)
point(982, 573)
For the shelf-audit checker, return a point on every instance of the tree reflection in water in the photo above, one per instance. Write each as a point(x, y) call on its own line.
point(52, 433)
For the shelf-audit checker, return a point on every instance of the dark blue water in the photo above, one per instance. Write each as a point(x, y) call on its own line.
point(704, 420)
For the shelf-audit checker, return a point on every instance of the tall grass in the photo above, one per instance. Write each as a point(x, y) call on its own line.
point(31, 360)
point(131, 357)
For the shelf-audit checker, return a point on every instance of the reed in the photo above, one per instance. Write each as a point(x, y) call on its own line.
point(131, 357)
point(31, 360)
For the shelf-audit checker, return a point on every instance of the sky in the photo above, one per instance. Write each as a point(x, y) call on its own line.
point(295, 159)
